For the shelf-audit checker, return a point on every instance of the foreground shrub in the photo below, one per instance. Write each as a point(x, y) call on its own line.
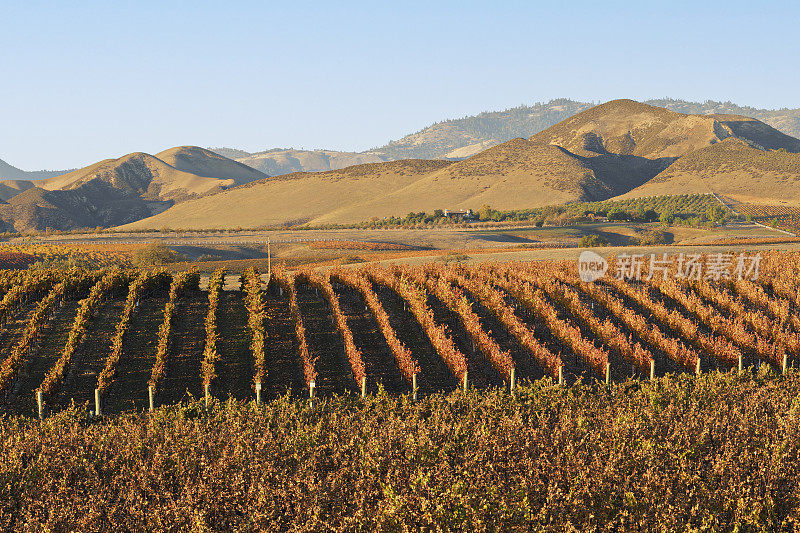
point(718, 452)
point(155, 255)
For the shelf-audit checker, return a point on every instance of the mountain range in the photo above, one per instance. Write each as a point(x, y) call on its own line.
point(620, 148)
point(617, 148)
point(464, 137)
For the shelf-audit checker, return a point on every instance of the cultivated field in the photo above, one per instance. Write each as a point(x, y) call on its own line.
point(122, 336)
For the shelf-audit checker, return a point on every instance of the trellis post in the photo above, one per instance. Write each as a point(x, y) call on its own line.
point(40, 404)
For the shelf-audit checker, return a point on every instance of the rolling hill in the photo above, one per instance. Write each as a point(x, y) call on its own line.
point(732, 168)
point(511, 175)
point(156, 179)
point(518, 173)
point(94, 204)
point(293, 198)
point(464, 137)
point(117, 191)
point(603, 152)
point(626, 127)
point(207, 164)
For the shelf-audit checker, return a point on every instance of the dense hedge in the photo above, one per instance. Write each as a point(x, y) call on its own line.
point(710, 453)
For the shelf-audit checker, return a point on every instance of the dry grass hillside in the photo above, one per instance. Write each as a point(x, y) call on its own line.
point(205, 163)
point(118, 191)
point(515, 174)
point(732, 168)
point(291, 199)
point(96, 203)
point(625, 127)
point(9, 188)
point(142, 173)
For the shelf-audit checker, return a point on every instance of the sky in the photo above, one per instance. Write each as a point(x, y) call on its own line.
point(82, 81)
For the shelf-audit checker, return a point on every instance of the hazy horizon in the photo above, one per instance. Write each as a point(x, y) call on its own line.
point(93, 81)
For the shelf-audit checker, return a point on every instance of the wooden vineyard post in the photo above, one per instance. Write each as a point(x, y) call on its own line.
point(465, 381)
point(258, 392)
point(741, 363)
point(269, 260)
point(364, 387)
point(512, 382)
point(697, 369)
point(652, 369)
point(561, 375)
point(785, 362)
point(40, 404)
point(414, 386)
point(97, 410)
point(150, 396)
point(608, 373)
point(311, 387)
point(207, 395)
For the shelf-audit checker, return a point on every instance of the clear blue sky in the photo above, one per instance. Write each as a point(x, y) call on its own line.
point(86, 80)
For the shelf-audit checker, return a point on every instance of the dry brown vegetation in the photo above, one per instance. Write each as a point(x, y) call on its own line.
point(716, 453)
point(732, 168)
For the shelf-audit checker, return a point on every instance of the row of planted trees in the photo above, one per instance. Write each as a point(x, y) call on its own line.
point(683, 320)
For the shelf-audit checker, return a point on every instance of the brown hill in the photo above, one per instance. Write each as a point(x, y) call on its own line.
point(96, 203)
point(293, 198)
point(733, 168)
point(148, 176)
point(625, 127)
point(515, 174)
point(118, 191)
point(9, 188)
point(205, 163)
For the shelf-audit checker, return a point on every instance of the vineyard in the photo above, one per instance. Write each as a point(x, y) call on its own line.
point(122, 340)
point(22, 254)
point(786, 218)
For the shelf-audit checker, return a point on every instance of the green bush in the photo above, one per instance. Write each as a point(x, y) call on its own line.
point(156, 254)
point(592, 241)
point(654, 237)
